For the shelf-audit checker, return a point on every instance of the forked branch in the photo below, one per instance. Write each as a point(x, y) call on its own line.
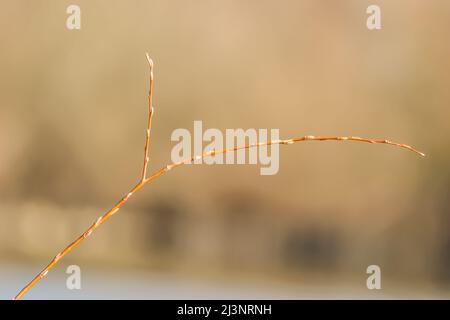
point(144, 179)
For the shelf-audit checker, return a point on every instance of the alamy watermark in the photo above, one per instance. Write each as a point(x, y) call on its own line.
point(374, 20)
point(374, 280)
point(73, 281)
point(73, 21)
point(188, 145)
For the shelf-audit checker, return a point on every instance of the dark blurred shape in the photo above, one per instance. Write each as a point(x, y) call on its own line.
point(312, 247)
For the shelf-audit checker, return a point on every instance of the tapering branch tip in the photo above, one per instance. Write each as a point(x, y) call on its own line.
point(150, 61)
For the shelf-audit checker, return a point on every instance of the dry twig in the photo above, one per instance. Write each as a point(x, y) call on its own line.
point(150, 116)
point(144, 179)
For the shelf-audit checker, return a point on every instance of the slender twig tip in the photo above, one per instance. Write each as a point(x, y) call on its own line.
point(150, 61)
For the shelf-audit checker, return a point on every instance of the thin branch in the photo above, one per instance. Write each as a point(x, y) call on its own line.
point(144, 180)
point(173, 165)
point(150, 116)
point(271, 142)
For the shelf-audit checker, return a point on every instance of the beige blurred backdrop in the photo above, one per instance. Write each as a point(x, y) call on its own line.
point(72, 130)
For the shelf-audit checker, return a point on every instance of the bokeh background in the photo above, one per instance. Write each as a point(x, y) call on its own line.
point(72, 130)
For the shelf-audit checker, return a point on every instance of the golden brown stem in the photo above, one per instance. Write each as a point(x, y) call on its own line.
point(144, 180)
point(173, 165)
point(150, 117)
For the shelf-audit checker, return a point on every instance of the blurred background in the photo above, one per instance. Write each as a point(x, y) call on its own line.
point(73, 115)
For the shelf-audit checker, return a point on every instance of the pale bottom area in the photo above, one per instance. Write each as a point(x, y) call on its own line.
point(96, 283)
